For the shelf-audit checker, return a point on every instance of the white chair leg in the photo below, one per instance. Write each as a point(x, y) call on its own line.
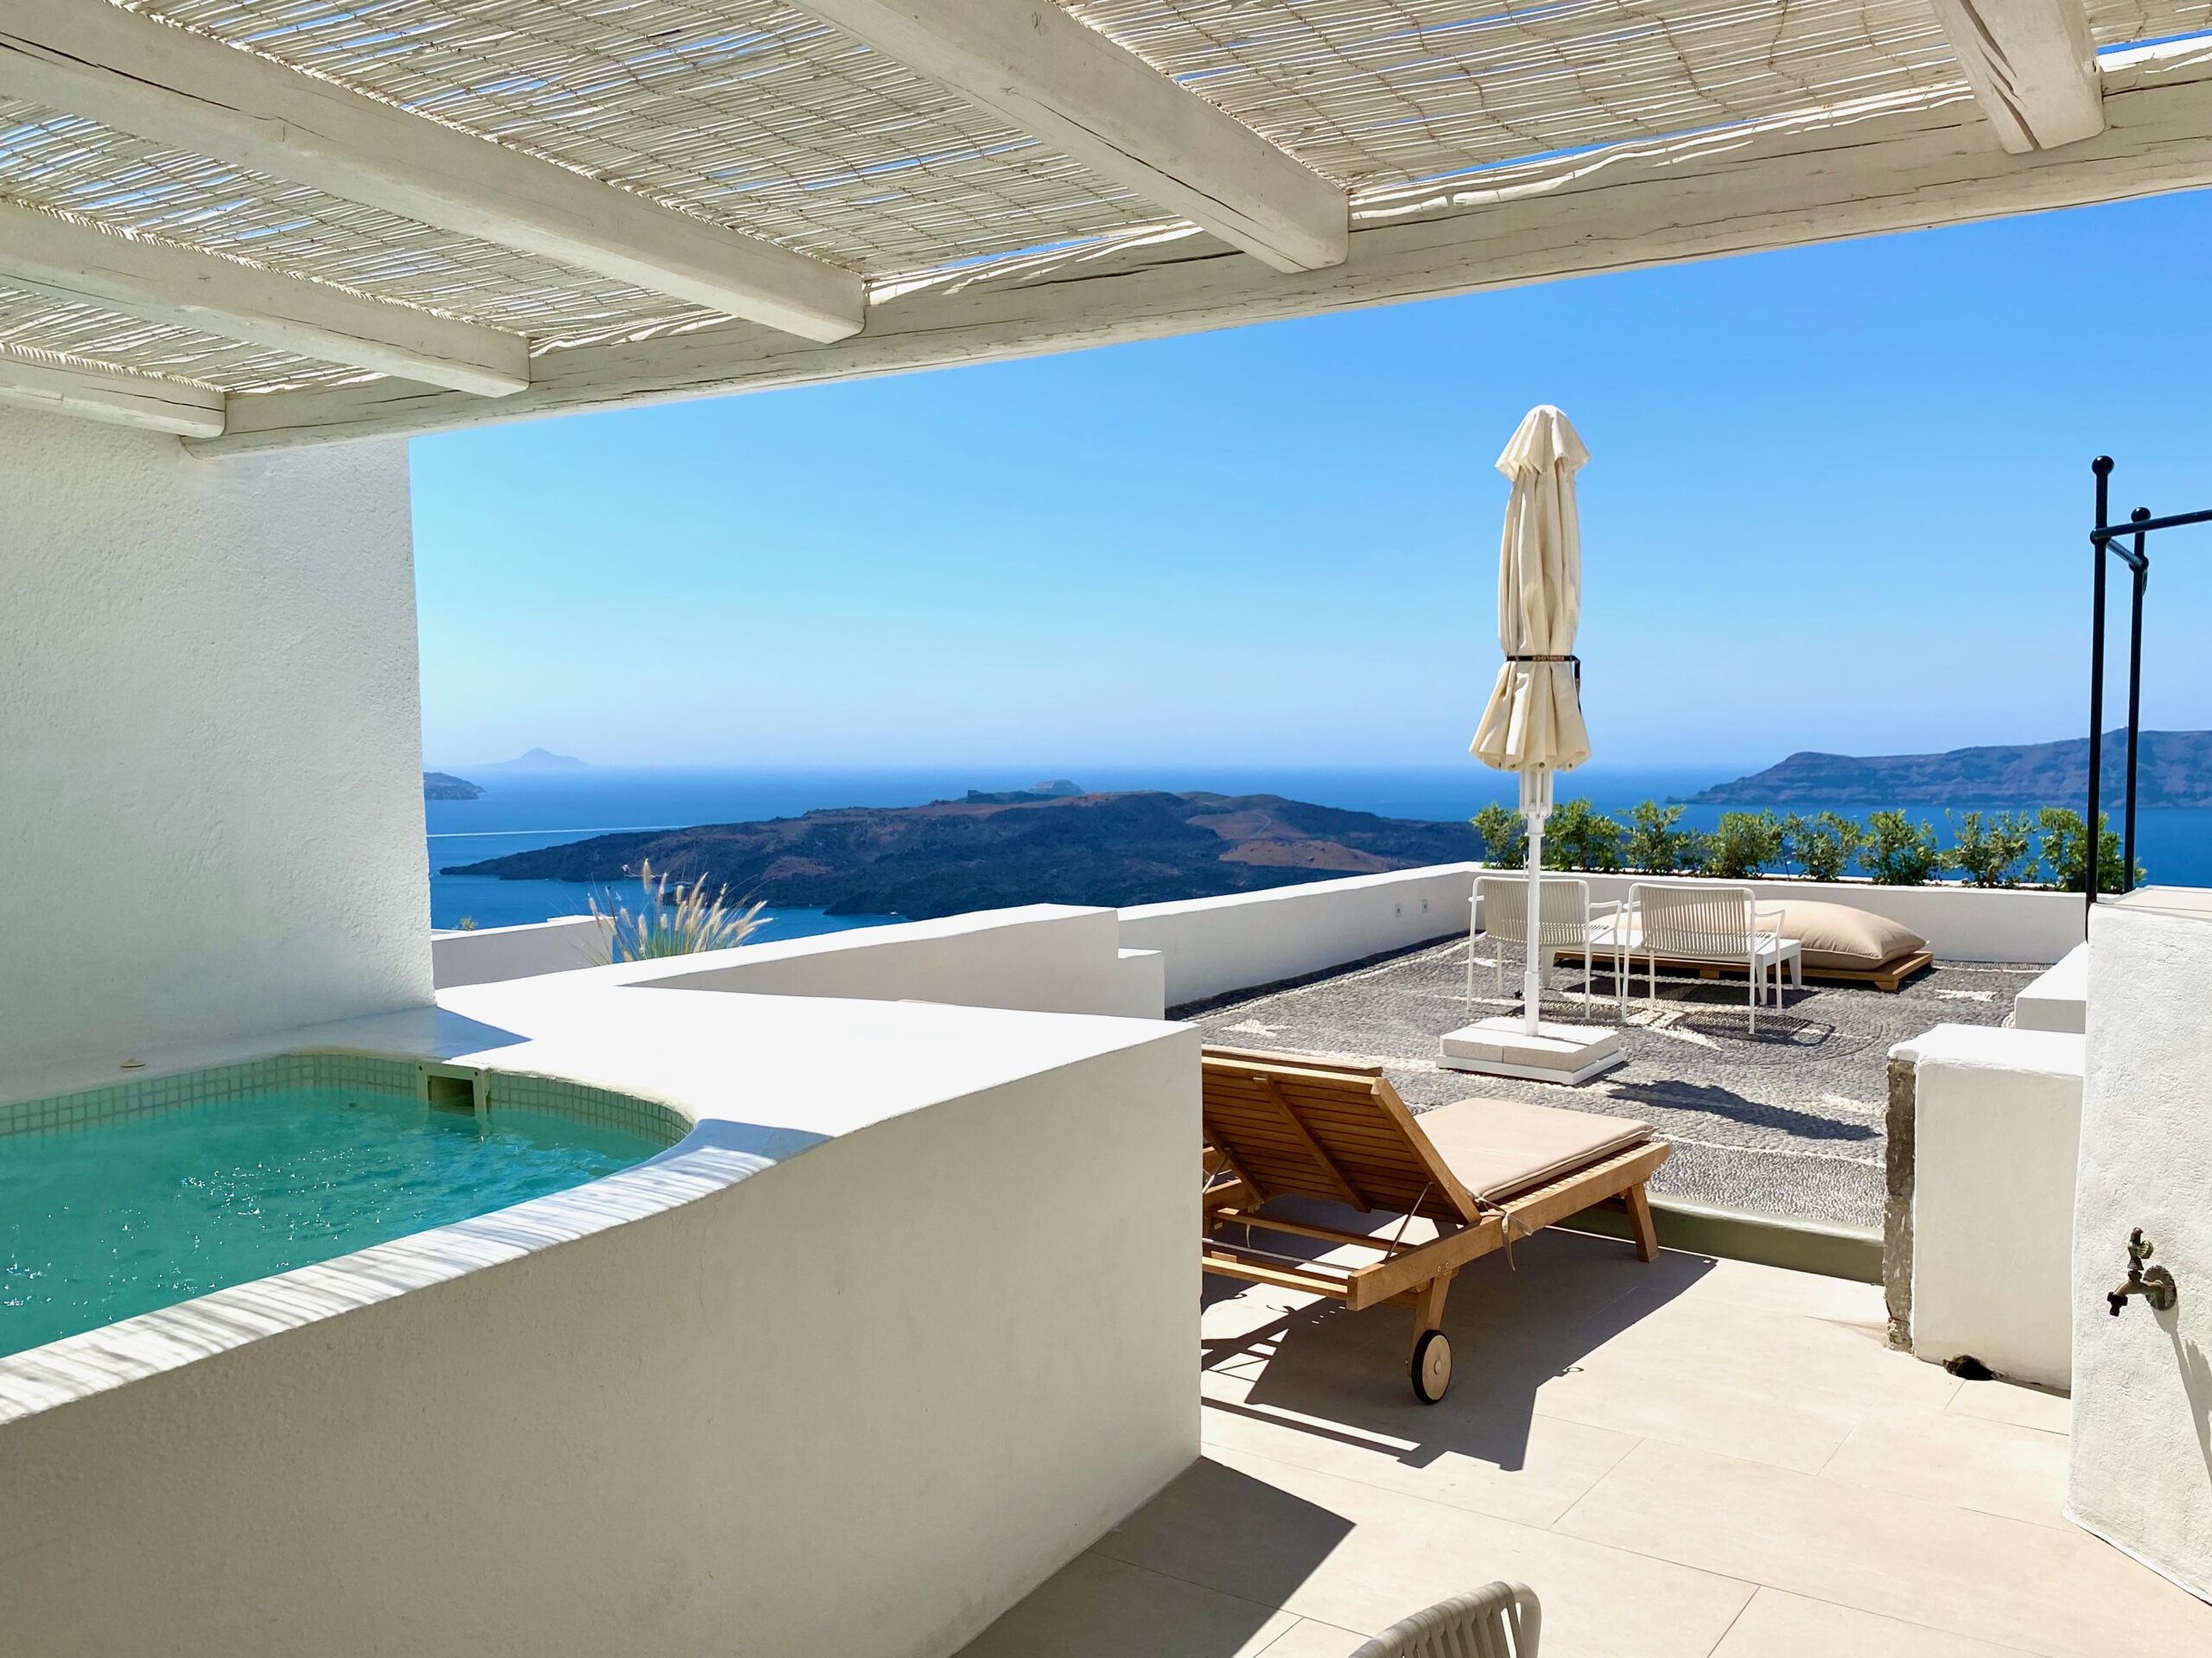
point(1755, 985)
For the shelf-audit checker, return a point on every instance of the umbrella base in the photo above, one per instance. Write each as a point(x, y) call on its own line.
point(1555, 1053)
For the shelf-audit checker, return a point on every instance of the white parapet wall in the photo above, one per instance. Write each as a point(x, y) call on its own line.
point(1997, 1127)
point(210, 800)
point(1067, 958)
point(907, 1325)
point(1049, 958)
point(2059, 998)
point(1215, 945)
point(1961, 924)
point(492, 954)
point(1052, 958)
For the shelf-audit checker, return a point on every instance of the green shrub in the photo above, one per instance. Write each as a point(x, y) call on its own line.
point(2066, 851)
point(673, 921)
point(1899, 851)
point(1504, 833)
point(1998, 853)
point(1654, 844)
point(1580, 836)
point(1743, 844)
point(1823, 846)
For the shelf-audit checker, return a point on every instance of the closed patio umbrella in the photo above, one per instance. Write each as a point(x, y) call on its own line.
point(1533, 724)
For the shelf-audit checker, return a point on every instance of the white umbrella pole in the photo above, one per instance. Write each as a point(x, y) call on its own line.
point(1535, 806)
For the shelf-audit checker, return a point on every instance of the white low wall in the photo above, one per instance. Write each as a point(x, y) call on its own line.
point(1064, 958)
point(1215, 945)
point(2059, 998)
point(858, 1402)
point(495, 955)
point(1997, 1128)
point(1052, 958)
point(1962, 924)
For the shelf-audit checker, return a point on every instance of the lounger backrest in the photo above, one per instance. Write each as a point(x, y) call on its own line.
point(1564, 914)
point(1680, 918)
point(1291, 1127)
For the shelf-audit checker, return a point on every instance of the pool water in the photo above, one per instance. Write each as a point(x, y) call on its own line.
point(125, 1215)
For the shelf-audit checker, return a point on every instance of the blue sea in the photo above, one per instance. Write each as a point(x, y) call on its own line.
point(521, 812)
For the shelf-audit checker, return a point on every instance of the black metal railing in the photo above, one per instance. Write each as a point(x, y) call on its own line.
point(2127, 540)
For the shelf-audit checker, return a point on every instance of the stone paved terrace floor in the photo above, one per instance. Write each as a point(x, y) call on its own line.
point(1788, 1123)
point(1694, 1457)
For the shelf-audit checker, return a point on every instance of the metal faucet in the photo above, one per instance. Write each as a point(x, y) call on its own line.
point(2156, 1286)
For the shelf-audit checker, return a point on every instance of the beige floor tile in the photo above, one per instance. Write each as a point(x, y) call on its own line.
point(1778, 1625)
point(1812, 1295)
point(1579, 1332)
point(2001, 1402)
point(2005, 1581)
point(1468, 1451)
point(1968, 1462)
point(1095, 1607)
point(1743, 1381)
point(1307, 1639)
point(1361, 1558)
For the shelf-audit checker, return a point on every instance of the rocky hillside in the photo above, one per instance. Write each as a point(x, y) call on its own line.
point(1120, 849)
point(2175, 770)
point(444, 785)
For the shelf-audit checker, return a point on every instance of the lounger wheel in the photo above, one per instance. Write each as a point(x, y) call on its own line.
point(1432, 1367)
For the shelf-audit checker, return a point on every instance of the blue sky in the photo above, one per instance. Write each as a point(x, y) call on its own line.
point(1837, 501)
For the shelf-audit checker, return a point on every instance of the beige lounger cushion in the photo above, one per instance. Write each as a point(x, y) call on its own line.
point(1500, 1149)
point(1835, 934)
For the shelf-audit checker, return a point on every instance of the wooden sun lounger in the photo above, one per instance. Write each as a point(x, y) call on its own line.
point(1280, 1125)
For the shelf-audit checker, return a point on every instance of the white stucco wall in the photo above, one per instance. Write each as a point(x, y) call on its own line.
point(1962, 923)
point(1997, 1127)
point(857, 1402)
point(1046, 958)
point(492, 954)
point(211, 808)
point(2140, 1472)
point(1056, 958)
point(2059, 998)
point(1214, 945)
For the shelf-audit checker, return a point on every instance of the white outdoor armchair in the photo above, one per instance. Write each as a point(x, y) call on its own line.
point(1565, 922)
point(1501, 1620)
point(1701, 924)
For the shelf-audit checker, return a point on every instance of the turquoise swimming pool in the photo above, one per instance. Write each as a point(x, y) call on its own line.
point(106, 1216)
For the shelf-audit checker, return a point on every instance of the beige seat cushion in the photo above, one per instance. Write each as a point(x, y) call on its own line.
point(1500, 1149)
point(1835, 934)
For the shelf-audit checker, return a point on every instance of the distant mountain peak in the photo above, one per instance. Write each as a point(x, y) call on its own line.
point(536, 759)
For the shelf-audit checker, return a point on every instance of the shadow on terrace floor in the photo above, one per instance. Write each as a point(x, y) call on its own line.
point(1514, 1326)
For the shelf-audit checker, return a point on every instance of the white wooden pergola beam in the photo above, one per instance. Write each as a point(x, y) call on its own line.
point(160, 281)
point(143, 401)
point(2032, 67)
point(1884, 165)
point(1075, 89)
point(140, 76)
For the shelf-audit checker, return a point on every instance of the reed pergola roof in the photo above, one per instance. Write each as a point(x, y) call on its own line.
point(264, 222)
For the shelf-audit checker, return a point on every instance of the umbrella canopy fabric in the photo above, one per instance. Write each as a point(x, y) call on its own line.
point(1534, 719)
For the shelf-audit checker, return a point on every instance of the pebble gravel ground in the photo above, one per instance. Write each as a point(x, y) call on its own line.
point(1788, 1122)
